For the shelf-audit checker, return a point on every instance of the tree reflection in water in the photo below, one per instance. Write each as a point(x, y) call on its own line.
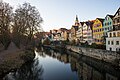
point(29, 71)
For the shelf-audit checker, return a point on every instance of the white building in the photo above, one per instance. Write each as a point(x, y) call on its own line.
point(113, 41)
point(79, 32)
point(89, 33)
point(85, 31)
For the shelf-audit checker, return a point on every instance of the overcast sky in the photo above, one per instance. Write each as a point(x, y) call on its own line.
point(61, 13)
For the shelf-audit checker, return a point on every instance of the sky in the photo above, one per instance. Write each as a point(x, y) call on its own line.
point(61, 13)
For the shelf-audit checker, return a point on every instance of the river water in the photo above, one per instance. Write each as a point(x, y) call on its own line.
point(53, 65)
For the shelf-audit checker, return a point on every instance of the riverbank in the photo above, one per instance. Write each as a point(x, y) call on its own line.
point(104, 55)
point(13, 59)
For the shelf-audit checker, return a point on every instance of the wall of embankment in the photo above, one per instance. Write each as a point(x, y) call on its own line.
point(100, 54)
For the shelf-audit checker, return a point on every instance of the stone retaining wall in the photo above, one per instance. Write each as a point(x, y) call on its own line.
point(100, 54)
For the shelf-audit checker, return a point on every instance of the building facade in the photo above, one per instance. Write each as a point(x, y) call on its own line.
point(98, 31)
point(108, 24)
point(113, 41)
point(85, 31)
point(74, 30)
point(90, 32)
point(116, 20)
point(79, 32)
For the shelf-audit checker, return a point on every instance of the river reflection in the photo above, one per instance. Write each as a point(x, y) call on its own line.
point(28, 71)
point(53, 65)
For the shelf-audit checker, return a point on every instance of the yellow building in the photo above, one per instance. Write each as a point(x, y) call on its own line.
point(66, 34)
point(98, 31)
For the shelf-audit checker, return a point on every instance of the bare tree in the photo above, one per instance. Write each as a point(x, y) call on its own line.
point(26, 20)
point(5, 20)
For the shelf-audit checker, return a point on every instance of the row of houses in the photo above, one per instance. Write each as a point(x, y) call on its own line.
point(99, 31)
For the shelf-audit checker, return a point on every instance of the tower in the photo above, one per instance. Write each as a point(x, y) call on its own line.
point(76, 21)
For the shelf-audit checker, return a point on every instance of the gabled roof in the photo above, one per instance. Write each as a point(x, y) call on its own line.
point(117, 11)
point(90, 23)
point(82, 23)
point(101, 19)
point(75, 27)
point(111, 16)
point(62, 29)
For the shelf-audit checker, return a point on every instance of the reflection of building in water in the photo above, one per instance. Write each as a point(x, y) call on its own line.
point(87, 72)
point(87, 68)
point(79, 70)
point(110, 77)
point(64, 58)
point(91, 72)
point(97, 75)
point(73, 63)
point(59, 56)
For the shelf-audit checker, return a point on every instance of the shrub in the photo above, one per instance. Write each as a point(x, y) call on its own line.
point(27, 55)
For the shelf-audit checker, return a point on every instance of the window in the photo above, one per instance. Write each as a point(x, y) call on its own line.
point(110, 49)
point(105, 24)
point(118, 34)
point(110, 34)
point(105, 28)
point(117, 42)
point(116, 49)
point(114, 35)
point(108, 42)
point(110, 23)
point(117, 20)
point(112, 42)
point(108, 28)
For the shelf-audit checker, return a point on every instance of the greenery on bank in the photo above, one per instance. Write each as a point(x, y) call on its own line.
point(74, 43)
point(28, 55)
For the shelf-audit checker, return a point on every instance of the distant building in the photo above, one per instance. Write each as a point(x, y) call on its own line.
point(108, 24)
point(59, 35)
point(76, 21)
point(113, 41)
point(63, 34)
point(85, 29)
point(54, 35)
point(73, 32)
point(116, 20)
point(90, 32)
point(98, 31)
point(66, 34)
point(79, 32)
point(74, 29)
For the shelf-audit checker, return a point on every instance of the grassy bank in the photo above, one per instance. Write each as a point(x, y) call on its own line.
point(14, 60)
